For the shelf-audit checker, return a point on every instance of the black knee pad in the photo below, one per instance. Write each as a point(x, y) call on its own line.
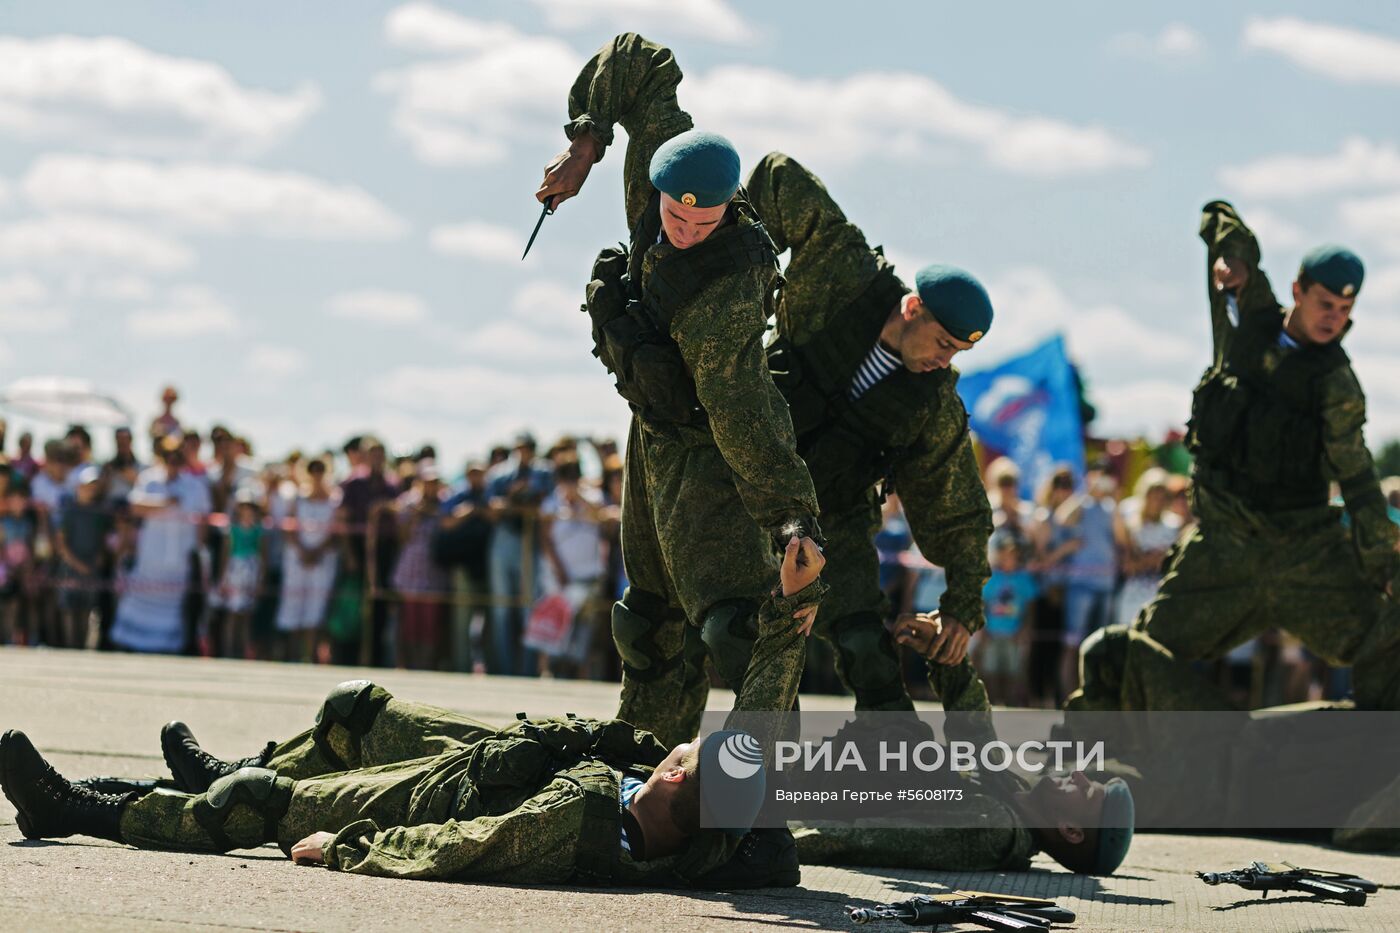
point(353, 706)
point(259, 789)
point(866, 660)
point(638, 620)
point(729, 630)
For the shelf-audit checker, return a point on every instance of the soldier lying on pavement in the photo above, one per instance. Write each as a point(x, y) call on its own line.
point(384, 787)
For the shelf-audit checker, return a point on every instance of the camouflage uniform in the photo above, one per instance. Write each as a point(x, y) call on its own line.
point(706, 496)
point(1270, 427)
point(909, 430)
point(414, 791)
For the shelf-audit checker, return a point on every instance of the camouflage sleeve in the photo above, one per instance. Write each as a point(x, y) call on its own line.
point(533, 843)
point(1349, 463)
point(947, 508)
point(1226, 236)
point(776, 665)
point(720, 333)
point(630, 81)
point(831, 262)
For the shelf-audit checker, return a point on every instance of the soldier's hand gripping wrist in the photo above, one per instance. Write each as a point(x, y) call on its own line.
point(802, 565)
point(565, 174)
point(312, 849)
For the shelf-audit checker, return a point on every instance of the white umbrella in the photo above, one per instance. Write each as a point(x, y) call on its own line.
point(69, 401)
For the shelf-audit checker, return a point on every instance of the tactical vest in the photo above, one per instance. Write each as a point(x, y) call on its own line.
point(1256, 425)
point(851, 445)
point(631, 318)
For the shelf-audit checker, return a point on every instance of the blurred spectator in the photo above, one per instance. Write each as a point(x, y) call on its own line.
point(999, 649)
point(1052, 547)
point(1009, 511)
point(81, 543)
point(516, 488)
point(460, 544)
point(79, 444)
point(1179, 499)
point(1092, 569)
point(354, 455)
point(24, 463)
point(310, 555)
point(1150, 529)
point(573, 537)
point(361, 496)
point(191, 445)
point(1390, 487)
point(420, 583)
point(497, 456)
point(173, 506)
point(166, 424)
point(240, 575)
point(16, 565)
point(892, 542)
point(119, 473)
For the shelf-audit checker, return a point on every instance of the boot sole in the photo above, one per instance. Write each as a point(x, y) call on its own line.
point(26, 826)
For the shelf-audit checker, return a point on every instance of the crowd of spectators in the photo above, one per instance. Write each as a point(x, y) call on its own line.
point(186, 544)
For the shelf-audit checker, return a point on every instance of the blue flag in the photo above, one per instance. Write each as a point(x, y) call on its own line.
point(1028, 408)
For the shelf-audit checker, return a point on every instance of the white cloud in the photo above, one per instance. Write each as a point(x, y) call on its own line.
point(477, 240)
point(504, 86)
point(1359, 163)
point(1334, 51)
point(546, 324)
point(704, 19)
point(1375, 217)
point(211, 197)
point(1275, 231)
point(26, 306)
point(378, 305)
point(1175, 41)
point(5, 195)
point(1145, 409)
point(274, 361)
point(895, 114)
point(65, 239)
point(119, 288)
point(189, 311)
point(114, 94)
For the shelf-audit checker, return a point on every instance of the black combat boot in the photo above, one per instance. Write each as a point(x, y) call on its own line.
point(193, 768)
point(767, 858)
point(49, 806)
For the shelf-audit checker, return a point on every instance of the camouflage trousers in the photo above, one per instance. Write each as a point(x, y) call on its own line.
point(1226, 583)
point(330, 776)
point(698, 568)
point(853, 616)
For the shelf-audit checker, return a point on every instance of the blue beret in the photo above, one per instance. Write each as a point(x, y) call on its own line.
point(696, 168)
point(732, 781)
point(1115, 827)
point(957, 300)
point(1335, 268)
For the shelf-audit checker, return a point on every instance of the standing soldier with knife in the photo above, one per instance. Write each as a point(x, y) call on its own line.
point(715, 488)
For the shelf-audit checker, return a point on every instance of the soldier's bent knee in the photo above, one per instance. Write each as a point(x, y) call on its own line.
point(353, 704)
point(729, 630)
point(638, 620)
point(258, 789)
point(866, 658)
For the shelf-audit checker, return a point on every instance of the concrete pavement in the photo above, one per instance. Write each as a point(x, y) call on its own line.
point(101, 713)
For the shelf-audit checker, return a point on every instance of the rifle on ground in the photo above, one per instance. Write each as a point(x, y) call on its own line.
point(1265, 877)
point(990, 911)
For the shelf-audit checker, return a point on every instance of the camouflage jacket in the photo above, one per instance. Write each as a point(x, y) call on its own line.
point(837, 297)
point(1342, 406)
point(632, 82)
point(538, 801)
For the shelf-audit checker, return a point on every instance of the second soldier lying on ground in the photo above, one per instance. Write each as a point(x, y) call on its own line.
point(380, 786)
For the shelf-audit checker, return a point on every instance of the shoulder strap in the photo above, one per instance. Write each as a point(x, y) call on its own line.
point(599, 846)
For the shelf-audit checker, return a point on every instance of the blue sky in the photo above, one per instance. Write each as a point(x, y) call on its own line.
point(309, 217)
